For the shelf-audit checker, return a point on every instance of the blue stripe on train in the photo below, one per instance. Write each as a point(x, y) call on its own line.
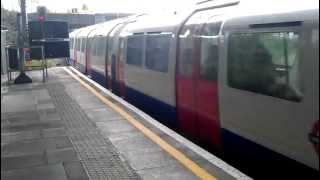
point(115, 87)
point(261, 162)
point(99, 77)
point(155, 108)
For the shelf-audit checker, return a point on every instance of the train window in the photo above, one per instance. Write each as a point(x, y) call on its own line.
point(96, 45)
point(100, 46)
point(209, 52)
point(83, 42)
point(157, 52)
point(71, 43)
point(266, 63)
point(134, 50)
point(78, 44)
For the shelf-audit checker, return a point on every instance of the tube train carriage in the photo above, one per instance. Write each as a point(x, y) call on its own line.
point(245, 83)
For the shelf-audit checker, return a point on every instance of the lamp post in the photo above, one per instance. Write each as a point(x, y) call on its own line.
point(22, 43)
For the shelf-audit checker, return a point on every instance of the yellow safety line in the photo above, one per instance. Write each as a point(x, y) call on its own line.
point(183, 159)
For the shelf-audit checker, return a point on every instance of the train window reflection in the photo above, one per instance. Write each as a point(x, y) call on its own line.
point(209, 52)
point(157, 52)
point(101, 43)
point(185, 51)
point(83, 41)
point(71, 43)
point(78, 44)
point(266, 63)
point(134, 50)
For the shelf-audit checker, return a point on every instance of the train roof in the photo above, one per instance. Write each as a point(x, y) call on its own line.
point(231, 12)
point(156, 23)
point(102, 29)
point(265, 12)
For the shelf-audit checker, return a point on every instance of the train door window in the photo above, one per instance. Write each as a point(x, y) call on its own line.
point(185, 51)
point(92, 46)
point(71, 43)
point(266, 63)
point(78, 44)
point(157, 52)
point(83, 42)
point(209, 51)
point(99, 46)
point(102, 46)
point(187, 37)
point(95, 51)
point(135, 50)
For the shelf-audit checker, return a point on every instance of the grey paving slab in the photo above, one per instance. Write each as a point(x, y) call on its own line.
point(45, 106)
point(33, 126)
point(20, 136)
point(121, 136)
point(75, 171)
point(149, 159)
point(138, 144)
point(170, 172)
point(54, 132)
point(22, 148)
point(48, 172)
point(113, 127)
point(61, 155)
point(17, 162)
point(16, 121)
point(35, 146)
point(20, 115)
point(49, 115)
point(102, 114)
point(19, 102)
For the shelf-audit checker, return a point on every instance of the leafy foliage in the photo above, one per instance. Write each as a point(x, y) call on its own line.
point(9, 22)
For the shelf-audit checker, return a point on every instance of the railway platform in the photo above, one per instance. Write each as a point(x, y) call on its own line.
point(70, 128)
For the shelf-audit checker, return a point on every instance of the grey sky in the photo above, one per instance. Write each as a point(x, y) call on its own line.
point(102, 5)
point(134, 6)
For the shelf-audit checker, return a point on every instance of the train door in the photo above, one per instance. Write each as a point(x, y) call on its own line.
point(114, 51)
point(112, 59)
point(88, 56)
point(121, 59)
point(121, 67)
point(197, 86)
point(188, 49)
point(206, 85)
point(76, 42)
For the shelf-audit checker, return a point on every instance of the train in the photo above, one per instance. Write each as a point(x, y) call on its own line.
point(243, 81)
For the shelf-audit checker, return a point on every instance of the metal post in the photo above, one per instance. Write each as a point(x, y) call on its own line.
point(42, 54)
point(23, 32)
point(22, 78)
point(7, 65)
point(42, 16)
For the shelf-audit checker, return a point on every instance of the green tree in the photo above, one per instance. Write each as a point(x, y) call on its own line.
point(9, 22)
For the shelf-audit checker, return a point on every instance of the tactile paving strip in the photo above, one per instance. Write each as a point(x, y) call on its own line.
point(98, 155)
